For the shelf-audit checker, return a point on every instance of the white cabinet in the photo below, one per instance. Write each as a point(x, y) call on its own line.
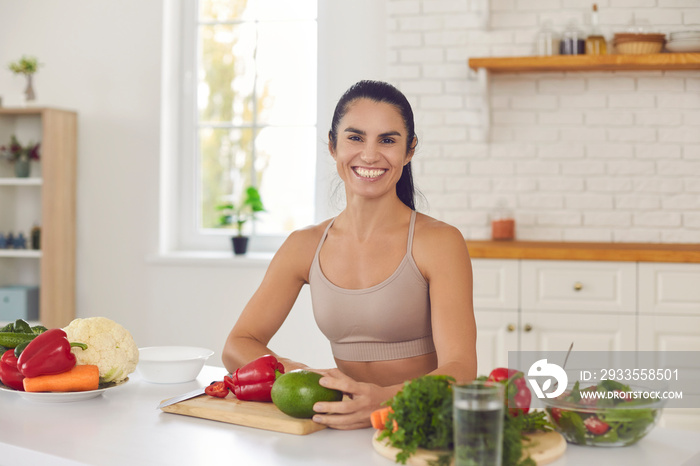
point(544, 305)
point(534, 305)
point(497, 333)
point(589, 332)
point(496, 303)
point(669, 289)
point(586, 286)
point(669, 320)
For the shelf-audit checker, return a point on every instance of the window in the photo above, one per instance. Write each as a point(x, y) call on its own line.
point(246, 95)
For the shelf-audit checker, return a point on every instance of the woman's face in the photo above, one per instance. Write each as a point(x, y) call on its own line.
point(370, 152)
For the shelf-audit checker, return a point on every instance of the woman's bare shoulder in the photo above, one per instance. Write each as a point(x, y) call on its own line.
point(435, 243)
point(433, 232)
point(300, 246)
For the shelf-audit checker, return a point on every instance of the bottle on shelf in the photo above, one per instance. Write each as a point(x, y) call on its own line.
point(547, 40)
point(595, 42)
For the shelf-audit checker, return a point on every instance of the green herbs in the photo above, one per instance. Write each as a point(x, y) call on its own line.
point(423, 411)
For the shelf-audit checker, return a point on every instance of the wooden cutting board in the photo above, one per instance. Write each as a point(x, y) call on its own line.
point(243, 413)
point(542, 447)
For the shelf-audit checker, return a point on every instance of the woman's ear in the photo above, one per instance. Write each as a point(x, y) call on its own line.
point(411, 151)
point(331, 148)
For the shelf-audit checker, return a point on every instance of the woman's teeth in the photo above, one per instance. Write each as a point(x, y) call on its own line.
point(365, 173)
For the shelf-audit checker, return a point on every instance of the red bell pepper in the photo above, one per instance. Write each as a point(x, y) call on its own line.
point(48, 353)
point(9, 374)
point(253, 382)
point(518, 394)
point(217, 389)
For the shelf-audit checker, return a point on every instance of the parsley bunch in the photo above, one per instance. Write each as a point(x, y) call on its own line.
point(423, 412)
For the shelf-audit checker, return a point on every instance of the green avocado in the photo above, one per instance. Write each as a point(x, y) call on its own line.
point(295, 393)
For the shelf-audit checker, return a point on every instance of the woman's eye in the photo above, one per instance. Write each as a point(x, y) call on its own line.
point(354, 138)
point(387, 141)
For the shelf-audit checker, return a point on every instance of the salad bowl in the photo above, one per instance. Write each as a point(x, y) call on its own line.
point(608, 414)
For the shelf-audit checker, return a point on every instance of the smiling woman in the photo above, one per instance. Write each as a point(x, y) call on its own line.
point(391, 288)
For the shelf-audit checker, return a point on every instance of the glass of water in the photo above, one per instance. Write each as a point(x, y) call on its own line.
point(478, 423)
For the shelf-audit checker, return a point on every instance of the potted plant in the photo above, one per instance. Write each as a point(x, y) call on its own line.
point(238, 214)
point(27, 66)
point(20, 155)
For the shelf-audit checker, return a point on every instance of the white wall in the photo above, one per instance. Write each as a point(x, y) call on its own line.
point(609, 156)
point(102, 59)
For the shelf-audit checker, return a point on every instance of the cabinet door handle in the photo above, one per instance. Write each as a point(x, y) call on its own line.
point(510, 328)
point(578, 286)
point(527, 327)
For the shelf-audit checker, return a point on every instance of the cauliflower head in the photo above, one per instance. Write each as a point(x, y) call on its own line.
point(110, 347)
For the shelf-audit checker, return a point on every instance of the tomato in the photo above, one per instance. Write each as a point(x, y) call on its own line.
point(518, 394)
point(595, 426)
point(556, 414)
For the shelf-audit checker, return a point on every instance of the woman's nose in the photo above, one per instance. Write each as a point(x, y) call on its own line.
point(370, 154)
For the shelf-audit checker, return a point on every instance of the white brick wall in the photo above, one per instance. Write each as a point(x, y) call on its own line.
point(602, 156)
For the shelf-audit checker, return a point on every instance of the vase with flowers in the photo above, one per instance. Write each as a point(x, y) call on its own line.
point(21, 156)
point(238, 214)
point(27, 66)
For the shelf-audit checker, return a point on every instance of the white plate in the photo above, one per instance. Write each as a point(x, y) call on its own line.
point(684, 45)
point(60, 397)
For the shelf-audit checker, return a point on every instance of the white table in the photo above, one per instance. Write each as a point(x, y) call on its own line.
point(123, 426)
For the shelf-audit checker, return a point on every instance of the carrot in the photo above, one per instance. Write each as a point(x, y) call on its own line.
point(380, 416)
point(78, 379)
point(376, 418)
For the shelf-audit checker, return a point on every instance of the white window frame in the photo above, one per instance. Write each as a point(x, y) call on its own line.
point(337, 21)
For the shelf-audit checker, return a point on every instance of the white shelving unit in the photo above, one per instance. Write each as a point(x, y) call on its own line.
point(45, 199)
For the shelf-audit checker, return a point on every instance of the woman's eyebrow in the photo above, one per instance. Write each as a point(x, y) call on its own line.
point(362, 133)
point(356, 131)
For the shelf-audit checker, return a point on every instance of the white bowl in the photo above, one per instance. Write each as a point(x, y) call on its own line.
point(681, 35)
point(171, 364)
point(683, 45)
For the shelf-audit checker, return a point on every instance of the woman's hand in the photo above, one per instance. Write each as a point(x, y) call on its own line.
point(357, 405)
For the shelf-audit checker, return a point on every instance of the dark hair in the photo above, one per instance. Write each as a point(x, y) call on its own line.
point(379, 91)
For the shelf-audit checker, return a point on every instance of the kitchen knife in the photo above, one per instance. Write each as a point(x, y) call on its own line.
point(183, 397)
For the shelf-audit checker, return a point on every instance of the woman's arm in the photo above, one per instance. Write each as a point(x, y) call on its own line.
point(271, 303)
point(441, 254)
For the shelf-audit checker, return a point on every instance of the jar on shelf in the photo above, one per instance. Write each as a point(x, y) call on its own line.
point(573, 40)
point(502, 223)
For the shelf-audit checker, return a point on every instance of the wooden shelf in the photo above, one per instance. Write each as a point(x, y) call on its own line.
point(20, 253)
point(579, 63)
point(545, 250)
point(21, 181)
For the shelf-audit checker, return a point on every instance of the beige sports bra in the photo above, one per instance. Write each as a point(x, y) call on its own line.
point(390, 320)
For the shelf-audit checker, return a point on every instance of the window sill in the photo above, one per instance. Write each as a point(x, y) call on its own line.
point(210, 258)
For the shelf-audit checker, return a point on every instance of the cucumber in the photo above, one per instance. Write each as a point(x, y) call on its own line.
point(11, 340)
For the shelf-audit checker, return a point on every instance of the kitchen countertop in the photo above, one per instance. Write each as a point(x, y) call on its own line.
point(548, 250)
point(123, 426)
